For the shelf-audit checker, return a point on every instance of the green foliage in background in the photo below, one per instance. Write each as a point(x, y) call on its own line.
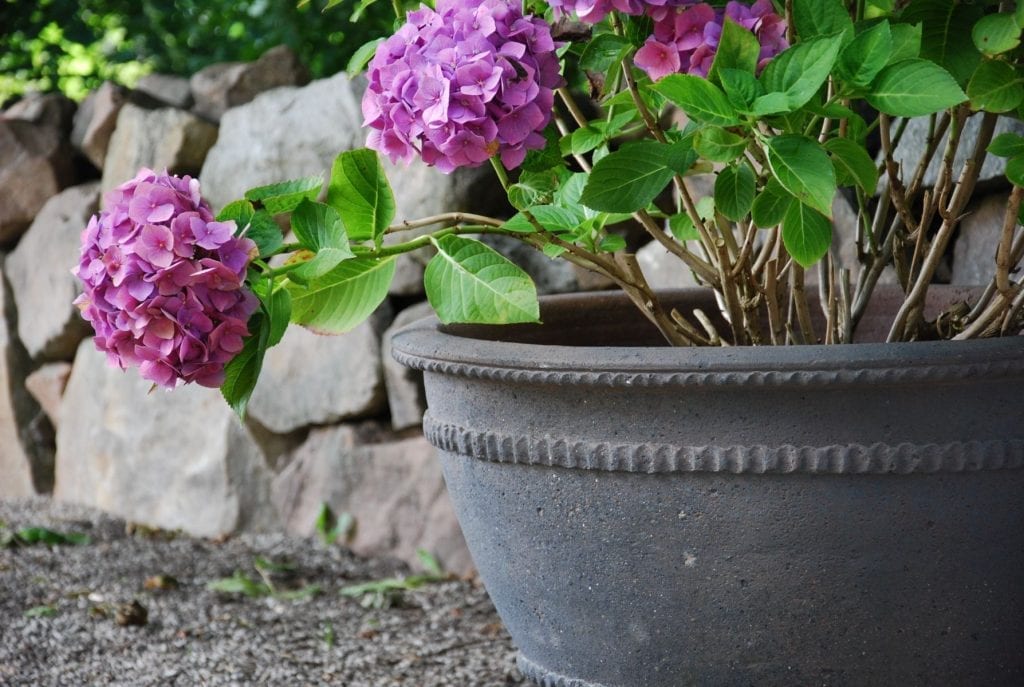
point(74, 46)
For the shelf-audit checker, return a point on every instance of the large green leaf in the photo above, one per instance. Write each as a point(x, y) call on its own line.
point(906, 42)
point(912, 88)
point(319, 228)
point(242, 371)
point(286, 195)
point(806, 234)
point(741, 88)
point(1007, 145)
point(996, 34)
point(771, 205)
point(944, 25)
point(853, 164)
point(737, 49)
point(818, 18)
point(702, 100)
point(864, 57)
point(338, 301)
point(360, 192)
point(631, 177)
point(718, 145)
point(553, 218)
point(804, 169)
point(995, 87)
point(734, 191)
point(470, 282)
point(793, 77)
point(265, 233)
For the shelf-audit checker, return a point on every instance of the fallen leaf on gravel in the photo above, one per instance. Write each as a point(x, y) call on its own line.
point(131, 614)
point(160, 582)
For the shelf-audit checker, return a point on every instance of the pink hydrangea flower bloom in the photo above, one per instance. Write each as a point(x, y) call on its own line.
point(457, 85)
point(163, 283)
point(695, 29)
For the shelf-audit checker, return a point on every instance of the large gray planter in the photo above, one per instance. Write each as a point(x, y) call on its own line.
point(648, 516)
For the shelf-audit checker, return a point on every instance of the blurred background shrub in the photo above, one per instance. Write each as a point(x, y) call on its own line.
point(74, 45)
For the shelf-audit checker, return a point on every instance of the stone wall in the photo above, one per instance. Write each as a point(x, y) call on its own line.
point(334, 420)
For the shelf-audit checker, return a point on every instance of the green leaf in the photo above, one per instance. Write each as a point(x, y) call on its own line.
point(853, 165)
point(239, 583)
point(468, 281)
point(797, 73)
point(738, 49)
point(340, 300)
point(943, 34)
point(806, 234)
point(430, 564)
point(913, 88)
point(995, 87)
point(1015, 170)
point(537, 188)
point(40, 612)
point(631, 178)
point(362, 56)
point(604, 51)
point(238, 211)
point(276, 304)
point(265, 232)
point(906, 42)
point(771, 205)
point(719, 145)
point(1007, 145)
point(286, 195)
point(553, 218)
point(734, 191)
point(319, 228)
point(1018, 14)
point(996, 33)
point(818, 18)
point(682, 227)
point(242, 371)
point(612, 243)
point(699, 98)
point(43, 535)
point(584, 139)
point(803, 169)
point(865, 56)
point(741, 88)
point(360, 192)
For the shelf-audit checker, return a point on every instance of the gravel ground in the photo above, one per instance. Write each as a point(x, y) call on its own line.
point(63, 611)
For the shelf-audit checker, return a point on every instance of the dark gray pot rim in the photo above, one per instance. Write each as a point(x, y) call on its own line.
point(494, 353)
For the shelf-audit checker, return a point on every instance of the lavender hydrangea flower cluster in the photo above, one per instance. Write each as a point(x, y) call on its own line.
point(686, 39)
point(461, 83)
point(163, 282)
point(593, 11)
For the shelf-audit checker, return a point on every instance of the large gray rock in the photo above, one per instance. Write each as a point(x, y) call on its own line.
point(283, 134)
point(974, 253)
point(26, 466)
point(95, 122)
point(40, 273)
point(228, 84)
point(406, 398)
point(392, 488)
point(171, 459)
point(35, 164)
point(312, 379)
point(915, 139)
point(163, 138)
point(46, 384)
point(168, 89)
point(50, 109)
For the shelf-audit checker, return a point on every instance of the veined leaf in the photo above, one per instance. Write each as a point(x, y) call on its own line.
point(913, 88)
point(943, 28)
point(719, 145)
point(806, 234)
point(865, 56)
point(468, 281)
point(631, 177)
point(995, 87)
point(853, 164)
point(699, 98)
point(771, 205)
point(734, 191)
point(737, 49)
point(340, 300)
point(996, 34)
point(286, 195)
point(803, 169)
point(796, 73)
point(817, 18)
point(360, 192)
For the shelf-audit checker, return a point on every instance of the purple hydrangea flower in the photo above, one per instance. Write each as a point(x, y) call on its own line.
point(692, 32)
point(462, 83)
point(593, 11)
point(163, 282)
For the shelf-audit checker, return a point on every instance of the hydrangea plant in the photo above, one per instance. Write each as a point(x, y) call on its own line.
point(597, 116)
